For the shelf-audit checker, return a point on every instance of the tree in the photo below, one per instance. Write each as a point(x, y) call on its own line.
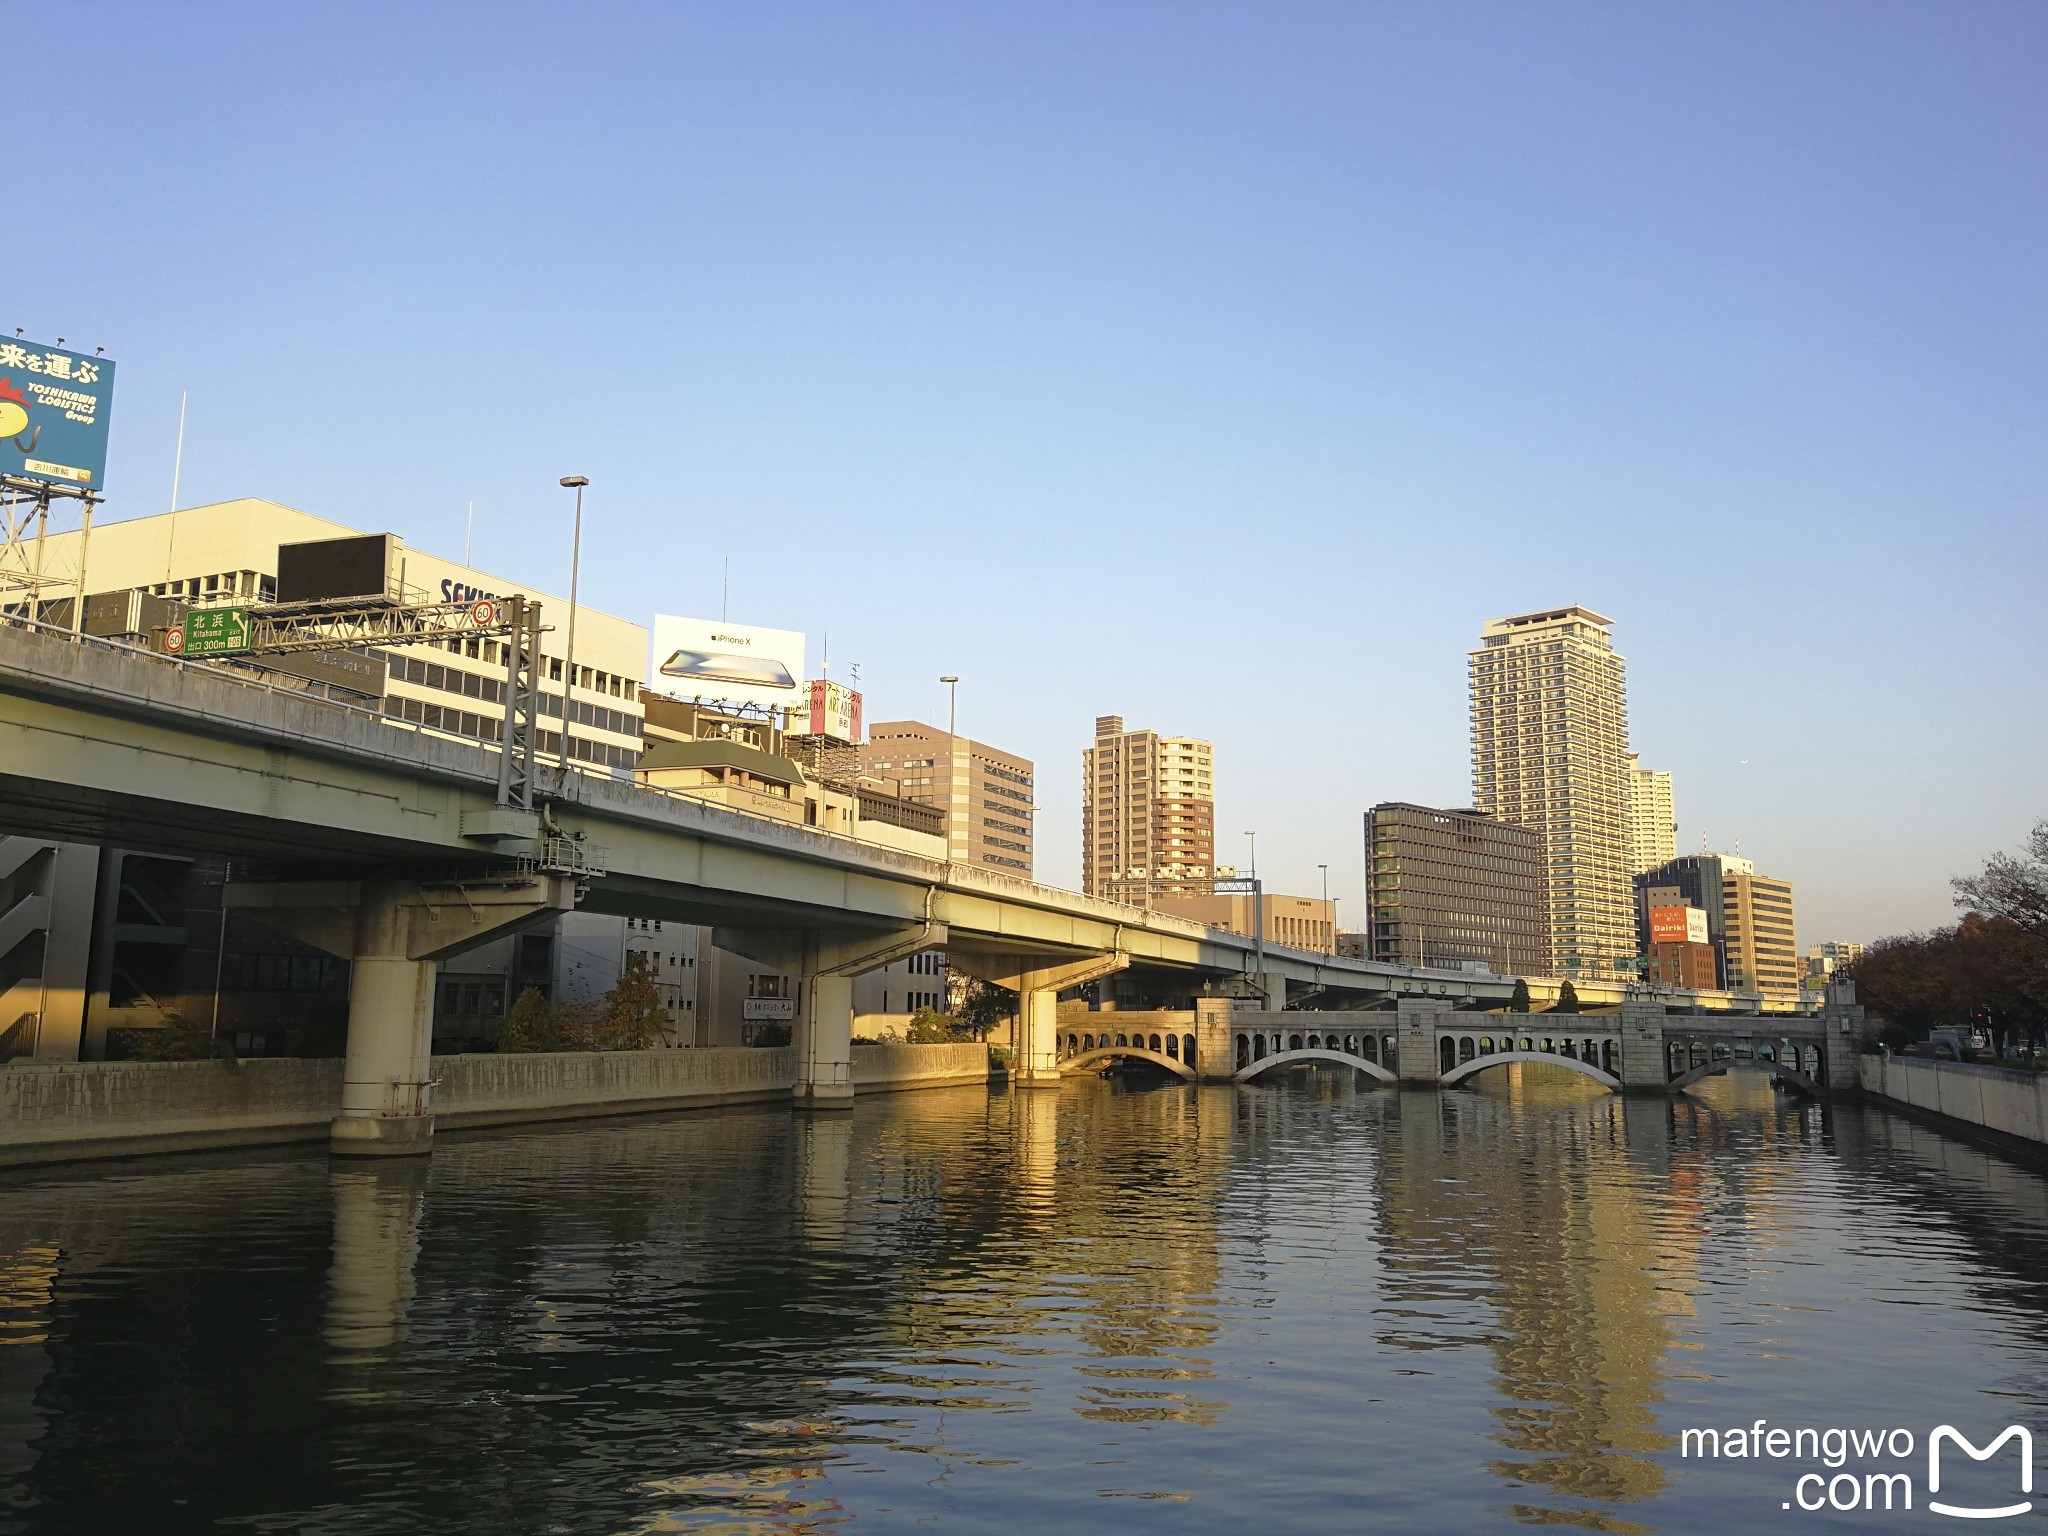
point(1519, 1003)
point(928, 1026)
point(531, 1026)
point(2014, 887)
point(633, 1016)
point(1567, 999)
point(983, 1007)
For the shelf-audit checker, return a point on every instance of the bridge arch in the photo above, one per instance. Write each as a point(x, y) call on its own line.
point(1320, 1053)
point(1477, 1064)
point(1781, 1071)
point(1103, 1054)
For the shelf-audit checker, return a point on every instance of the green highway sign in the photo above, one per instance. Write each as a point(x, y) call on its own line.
point(216, 631)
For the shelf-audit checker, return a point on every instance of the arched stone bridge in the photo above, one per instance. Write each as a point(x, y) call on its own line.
point(1641, 1047)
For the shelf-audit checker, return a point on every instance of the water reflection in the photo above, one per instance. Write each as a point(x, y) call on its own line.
point(1302, 1306)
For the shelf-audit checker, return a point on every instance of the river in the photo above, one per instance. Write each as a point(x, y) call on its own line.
point(1128, 1306)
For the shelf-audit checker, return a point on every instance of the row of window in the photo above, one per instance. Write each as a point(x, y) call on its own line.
point(1004, 842)
point(279, 973)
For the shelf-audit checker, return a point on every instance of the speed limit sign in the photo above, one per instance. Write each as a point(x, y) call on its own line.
point(483, 613)
point(174, 639)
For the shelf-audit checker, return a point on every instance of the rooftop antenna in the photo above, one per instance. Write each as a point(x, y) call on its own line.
point(469, 534)
point(177, 471)
point(725, 590)
point(825, 662)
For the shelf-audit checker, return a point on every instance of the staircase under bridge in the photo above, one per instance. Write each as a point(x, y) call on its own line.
point(1640, 1047)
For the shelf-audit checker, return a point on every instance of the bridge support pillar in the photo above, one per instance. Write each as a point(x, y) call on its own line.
point(1843, 1020)
point(392, 934)
point(1215, 1051)
point(1644, 1068)
point(827, 963)
point(1416, 1021)
point(1038, 982)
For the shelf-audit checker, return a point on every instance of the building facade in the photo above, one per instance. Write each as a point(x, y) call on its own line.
point(1550, 752)
point(1447, 888)
point(987, 796)
point(1760, 952)
point(1299, 922)
point(1148, 814)
point(1652, 826)
point(157, 944)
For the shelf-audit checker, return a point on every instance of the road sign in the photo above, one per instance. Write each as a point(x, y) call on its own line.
point(215, 631)
point(174, 639)
point(483, 613)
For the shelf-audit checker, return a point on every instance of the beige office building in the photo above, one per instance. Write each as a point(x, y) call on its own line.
point(1299, 922)
point(987, 795)
point(227, 553)
point(1759, 949)
point(1652, 825)
point(1148, 814)
point(1550, 751)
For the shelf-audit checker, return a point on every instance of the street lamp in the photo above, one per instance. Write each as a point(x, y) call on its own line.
point(952, 704)
point(1255, 853)
point(574, 483)
point(1326, 908)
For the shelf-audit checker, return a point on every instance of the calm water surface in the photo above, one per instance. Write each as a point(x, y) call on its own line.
point(1306, 1307)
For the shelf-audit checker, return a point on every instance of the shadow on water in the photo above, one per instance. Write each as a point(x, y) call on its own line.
point(1309, 1304)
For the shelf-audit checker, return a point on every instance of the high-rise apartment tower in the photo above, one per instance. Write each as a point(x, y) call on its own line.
point(1550, 751)
point(1148, 814)
point(1652, 827)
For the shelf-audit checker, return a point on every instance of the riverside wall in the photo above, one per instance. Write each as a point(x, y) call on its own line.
point(68, 1111)
point(1998, 1104)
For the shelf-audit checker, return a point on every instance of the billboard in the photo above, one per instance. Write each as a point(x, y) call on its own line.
point(360, 567)
point(834, 713)
point(53, 415)
point(732, 664)
point(1678, 925)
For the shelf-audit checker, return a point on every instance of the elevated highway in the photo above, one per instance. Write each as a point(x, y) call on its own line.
point(388, 844)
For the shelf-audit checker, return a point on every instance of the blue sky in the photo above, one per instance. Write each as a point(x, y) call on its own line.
point(1223, 367)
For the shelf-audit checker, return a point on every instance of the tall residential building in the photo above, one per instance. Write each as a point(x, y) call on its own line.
point(1448, 887)
point(1550, 752)
point(1148, 814)
point(1760, 952)
point(1652, 826)
point(986, 794)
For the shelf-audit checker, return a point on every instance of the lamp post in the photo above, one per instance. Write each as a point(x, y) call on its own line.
point(952, 704)
point(1332, 947)
point(576, 484)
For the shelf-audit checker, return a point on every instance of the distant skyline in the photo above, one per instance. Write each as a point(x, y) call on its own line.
point(1222, 367)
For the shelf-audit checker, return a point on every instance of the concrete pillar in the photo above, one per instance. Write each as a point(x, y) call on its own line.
point(1215, 1040)
point(385, 1080)
point(393, 933)
point(827, 962)
point(1272, 987)
point(1644, 1067)
point(1038, 981)
point(72, 890)
point(1038, 1039)
point(1416, 1021)
point(1844, 1022)
point(824, 1044)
